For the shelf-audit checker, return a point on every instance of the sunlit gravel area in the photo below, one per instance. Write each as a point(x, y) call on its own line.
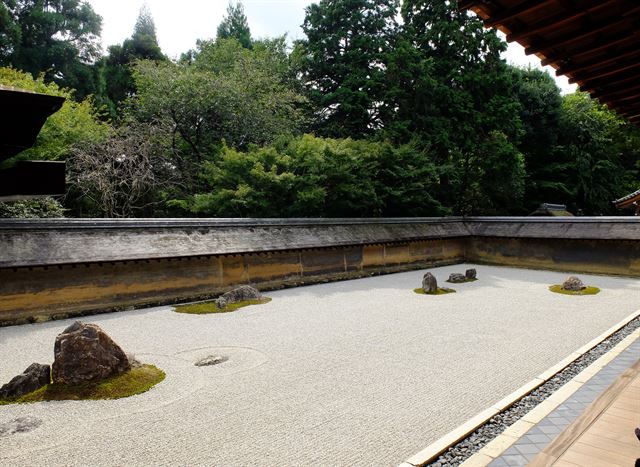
point(362, 372)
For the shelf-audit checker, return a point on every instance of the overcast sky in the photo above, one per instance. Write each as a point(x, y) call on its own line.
point(180, 23)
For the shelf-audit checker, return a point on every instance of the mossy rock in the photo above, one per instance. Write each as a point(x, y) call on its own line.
point(587, 291)
point(441, 291)
point(206, 308)
point(135, 381)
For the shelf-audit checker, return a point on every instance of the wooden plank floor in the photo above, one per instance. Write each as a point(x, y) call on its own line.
point(603, 436)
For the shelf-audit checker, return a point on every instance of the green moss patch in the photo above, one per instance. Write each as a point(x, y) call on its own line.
point(441, 291)
point(206, 308)
point(135, 381)
point(588, 291)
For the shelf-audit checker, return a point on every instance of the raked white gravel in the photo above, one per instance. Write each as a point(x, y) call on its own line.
point(362, 372)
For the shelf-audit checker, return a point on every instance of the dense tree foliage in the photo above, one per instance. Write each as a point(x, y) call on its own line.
point(385, 108)
point(343, 62)
point(235, 26)
point(310, 176)
point(229, 94)
point(59, 38)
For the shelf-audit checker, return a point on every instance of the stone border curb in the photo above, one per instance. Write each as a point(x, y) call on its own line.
point(500, 444)
point(431, 452)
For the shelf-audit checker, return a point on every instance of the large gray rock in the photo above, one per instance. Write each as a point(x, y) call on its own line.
point(573, 284)
point(456, 278)
point(429, 283)
point(470, 274)
point(84, 352)
point(34, 377)
point(239, 294)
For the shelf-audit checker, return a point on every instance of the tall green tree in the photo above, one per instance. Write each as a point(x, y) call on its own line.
point(540, 111)
point(590, 152)
point(116, 78)
point(455, 93)
point(235, 25)
point(343, 63)
point(59, 38)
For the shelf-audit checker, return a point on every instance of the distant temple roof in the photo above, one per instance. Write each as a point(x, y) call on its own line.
point(595, 43)
point(547, 209)
point(631, 200)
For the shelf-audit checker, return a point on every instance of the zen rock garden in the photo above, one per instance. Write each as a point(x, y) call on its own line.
point(84, 357)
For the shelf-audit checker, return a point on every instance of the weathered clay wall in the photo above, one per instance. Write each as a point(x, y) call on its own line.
point(58, 291)
point(69, 267)
point(614, 257)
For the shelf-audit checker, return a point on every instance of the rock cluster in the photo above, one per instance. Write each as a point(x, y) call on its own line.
point(429, 283)
point(84, 352)
point(240, 294)
point(573, 284)
point(456, 278)
point(34, 377)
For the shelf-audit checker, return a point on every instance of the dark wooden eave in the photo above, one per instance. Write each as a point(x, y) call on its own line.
point(22, 116)
point(595, 43)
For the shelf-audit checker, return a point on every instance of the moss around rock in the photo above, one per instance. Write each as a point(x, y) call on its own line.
point(586, 291)
point(441, 291)
point(206, 308)
point(135, 381)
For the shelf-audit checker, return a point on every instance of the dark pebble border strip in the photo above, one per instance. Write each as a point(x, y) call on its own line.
point(464, 449)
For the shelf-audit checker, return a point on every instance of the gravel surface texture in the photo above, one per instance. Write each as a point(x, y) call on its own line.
point(362, 372)
point(460, 452)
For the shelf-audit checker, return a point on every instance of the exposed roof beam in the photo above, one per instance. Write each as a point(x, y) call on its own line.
point(613, 40)
point(614, 92)
point(612, 57)
point(618, 100)
point(580, 8)
point(524, 7)
point(605, 71)
point(630, 108)
point(618, 82)
point(597, 28)
point(615, 96)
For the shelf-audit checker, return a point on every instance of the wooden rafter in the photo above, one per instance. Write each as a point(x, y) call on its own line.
point(578, 10)
point(631, 51)
point(622, 79)
point(600, 27)
point(525, 7)
point(605, 71)
point(617, 94)
point(615, 40)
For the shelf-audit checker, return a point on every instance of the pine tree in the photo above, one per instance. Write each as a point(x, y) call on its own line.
point(344, 61)
point(144, 42)
point(234, 25)
point(116, 80)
